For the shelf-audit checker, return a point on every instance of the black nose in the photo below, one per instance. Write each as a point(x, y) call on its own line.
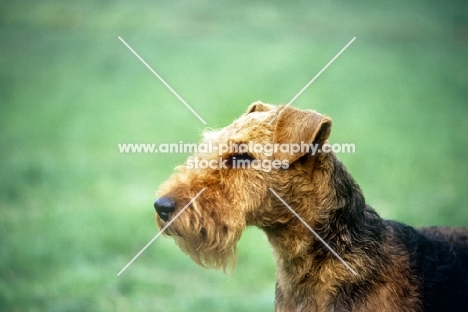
point(164, 207)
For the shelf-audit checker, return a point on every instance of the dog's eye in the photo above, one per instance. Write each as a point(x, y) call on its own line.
point(241, 160)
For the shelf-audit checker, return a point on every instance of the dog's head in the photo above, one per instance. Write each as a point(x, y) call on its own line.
point(224, 187)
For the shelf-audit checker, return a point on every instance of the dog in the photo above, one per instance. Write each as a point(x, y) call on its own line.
point(333, 251)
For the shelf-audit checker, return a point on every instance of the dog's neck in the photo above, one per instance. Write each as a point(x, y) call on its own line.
point(343, 220)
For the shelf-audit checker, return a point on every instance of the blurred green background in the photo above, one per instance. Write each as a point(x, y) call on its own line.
point(74, 211)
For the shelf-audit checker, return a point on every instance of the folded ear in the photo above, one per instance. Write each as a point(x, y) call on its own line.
point(297, 129)
point(260, 107)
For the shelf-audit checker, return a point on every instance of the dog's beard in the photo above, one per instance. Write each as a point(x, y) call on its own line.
point(208, 244)
point(217, 255)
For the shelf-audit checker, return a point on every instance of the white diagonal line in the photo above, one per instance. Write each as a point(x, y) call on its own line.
point(313, 232)
point(162, 80)
point(313, 79)
point(160, 232)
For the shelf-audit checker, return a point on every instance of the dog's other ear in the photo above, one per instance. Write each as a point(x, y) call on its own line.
point(297, 129)
point(260, 107)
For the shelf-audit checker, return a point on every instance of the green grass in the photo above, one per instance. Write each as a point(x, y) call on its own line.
point(74, 210)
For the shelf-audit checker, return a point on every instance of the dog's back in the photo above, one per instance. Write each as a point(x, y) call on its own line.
point(452, 235)
point(439, 257)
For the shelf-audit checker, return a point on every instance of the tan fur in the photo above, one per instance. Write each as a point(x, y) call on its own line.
point(309, 277)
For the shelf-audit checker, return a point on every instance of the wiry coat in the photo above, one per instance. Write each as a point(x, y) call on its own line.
point(398, 268)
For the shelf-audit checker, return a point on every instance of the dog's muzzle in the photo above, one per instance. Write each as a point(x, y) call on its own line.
point(164, 207)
